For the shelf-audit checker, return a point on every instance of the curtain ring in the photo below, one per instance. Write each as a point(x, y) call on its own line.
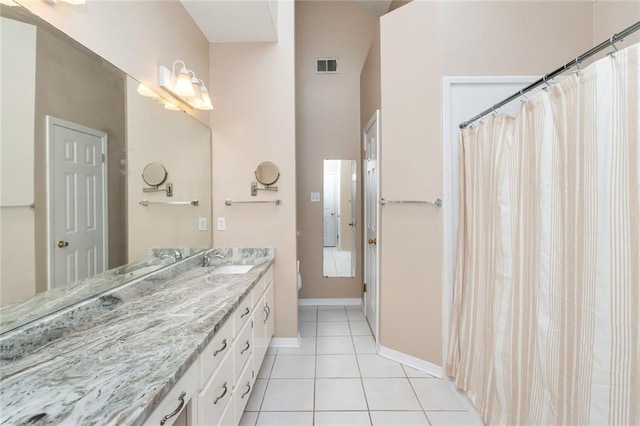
point(524, 96)
point(545, 82)
point(577, 71)
point(612, 41)
point(494, 113)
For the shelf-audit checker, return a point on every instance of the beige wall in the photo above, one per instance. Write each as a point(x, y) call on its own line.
point(182, 145)
point(17, 95)
point(370, 81)
point(328, 125)
point(420, 43)
point(254, 121)
point(135, 36)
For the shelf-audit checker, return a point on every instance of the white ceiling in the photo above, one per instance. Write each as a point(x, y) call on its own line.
point(235, 20)
point(250, 20)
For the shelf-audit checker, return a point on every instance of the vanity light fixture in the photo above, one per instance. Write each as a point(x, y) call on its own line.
point(184, 86)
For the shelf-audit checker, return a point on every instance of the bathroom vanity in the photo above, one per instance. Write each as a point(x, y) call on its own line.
point(182, 345)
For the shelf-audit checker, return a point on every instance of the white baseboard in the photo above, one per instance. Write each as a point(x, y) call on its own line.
point(413, 362)
point(286, 342)
point(329, 302)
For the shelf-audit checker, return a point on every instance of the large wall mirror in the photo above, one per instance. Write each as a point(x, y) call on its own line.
point(339, 218)
point(64, 108)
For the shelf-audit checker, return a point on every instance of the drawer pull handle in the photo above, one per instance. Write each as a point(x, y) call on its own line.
point(176, 411)
point(246, 312)
point(266, 314)
point(248, 385)
point(224, 392)
point(224, 346)
point(245, 349)
point(267, 308)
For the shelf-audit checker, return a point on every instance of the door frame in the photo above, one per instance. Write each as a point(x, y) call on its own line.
point(450, 191)
point(376, 117)
point(51, 122)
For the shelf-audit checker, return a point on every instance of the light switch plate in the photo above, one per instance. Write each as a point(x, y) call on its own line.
point(222, 224)
point(202, 223)
point(315, 197)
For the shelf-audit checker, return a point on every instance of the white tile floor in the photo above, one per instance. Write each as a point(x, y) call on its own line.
point(336, 378)
point(337, 263)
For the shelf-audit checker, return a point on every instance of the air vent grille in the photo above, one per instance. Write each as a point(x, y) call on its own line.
point(326, 65)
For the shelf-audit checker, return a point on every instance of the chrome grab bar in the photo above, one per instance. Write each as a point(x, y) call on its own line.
point(230, 202)
point(437, 202)
point(194, 203)
point(31, 206)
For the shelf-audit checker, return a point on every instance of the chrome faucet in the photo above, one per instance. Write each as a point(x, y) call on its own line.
point(177, 254)
point(208, 255)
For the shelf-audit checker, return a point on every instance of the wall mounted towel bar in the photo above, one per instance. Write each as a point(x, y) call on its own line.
point(193, 203)
point(276, 202)
point(31, 206)
point(437, 202)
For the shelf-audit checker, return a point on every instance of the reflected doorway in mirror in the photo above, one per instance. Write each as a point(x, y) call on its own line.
point(339, 218)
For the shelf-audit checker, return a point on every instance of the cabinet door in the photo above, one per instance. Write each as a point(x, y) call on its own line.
point(242, 349)
point(270, 314)
point(243, 389)
point(177, 400)
point(259, 333)
point(216, 394)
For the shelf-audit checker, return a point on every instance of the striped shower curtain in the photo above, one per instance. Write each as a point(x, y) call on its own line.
point(545, 325)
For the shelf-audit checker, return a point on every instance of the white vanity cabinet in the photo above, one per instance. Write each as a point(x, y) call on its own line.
point(230, 363)
point(218, 385)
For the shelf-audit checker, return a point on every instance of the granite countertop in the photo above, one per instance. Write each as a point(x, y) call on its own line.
point(116, 368)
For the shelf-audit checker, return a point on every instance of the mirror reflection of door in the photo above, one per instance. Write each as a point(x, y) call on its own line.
point(339, 218)
point(78, 202)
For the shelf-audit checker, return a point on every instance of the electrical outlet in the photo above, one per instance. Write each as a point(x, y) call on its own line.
point(202, 224)
point(222, 224)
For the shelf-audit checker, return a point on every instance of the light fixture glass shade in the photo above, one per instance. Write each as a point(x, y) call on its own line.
point(171, 107)
point(183, 86)
point(75, 2)
point(145, 91)
point(205, 102)
point(196, 98)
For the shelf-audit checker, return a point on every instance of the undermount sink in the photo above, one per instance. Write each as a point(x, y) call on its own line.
point(231, 269)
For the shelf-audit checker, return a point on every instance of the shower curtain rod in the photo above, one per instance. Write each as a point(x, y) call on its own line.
point(611, 42)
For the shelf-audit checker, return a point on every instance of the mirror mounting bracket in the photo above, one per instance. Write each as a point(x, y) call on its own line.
point(255, 189)
point(156, 188)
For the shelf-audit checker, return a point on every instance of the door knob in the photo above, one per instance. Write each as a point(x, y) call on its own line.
point(63, 244)
point(372, 241)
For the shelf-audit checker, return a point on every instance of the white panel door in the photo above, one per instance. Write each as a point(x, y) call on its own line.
point(77, 202)
point(371, 142)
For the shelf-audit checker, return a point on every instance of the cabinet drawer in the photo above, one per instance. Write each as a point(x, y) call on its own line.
point(243, 389)
point(242, 313)
point(242, 348)
point(216, 394)
point(215, 351)
point(176, 401)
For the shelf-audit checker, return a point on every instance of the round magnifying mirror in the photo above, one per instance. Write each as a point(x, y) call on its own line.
point(267, 173)
point(154, 174)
